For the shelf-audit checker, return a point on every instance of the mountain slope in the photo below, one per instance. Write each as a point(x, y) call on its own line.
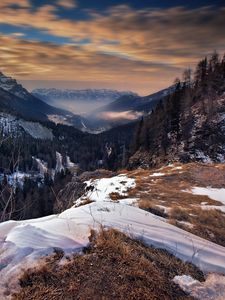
point(15, 99)
point(126, 109)
point(79, 101)
point(136, 103)
point(189, 125)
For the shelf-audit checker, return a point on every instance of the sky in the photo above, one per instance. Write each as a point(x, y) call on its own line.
point(138, 45)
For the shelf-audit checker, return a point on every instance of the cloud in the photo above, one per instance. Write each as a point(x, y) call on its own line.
point(10, 3)
point(125, 115)
point(67, 3)
point(143, 49)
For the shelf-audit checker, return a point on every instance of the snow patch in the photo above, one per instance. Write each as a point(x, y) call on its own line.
point(23, 243)
point(212, 289)
point(11, 125)
point(212, 193)
point(157, 174)
point(217, 194)
point(99, 190)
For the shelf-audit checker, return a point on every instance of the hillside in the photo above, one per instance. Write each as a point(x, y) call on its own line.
point(88, 216)
point(189, 124)
point(116, 201)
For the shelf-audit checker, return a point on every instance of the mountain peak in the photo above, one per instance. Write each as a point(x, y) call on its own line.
point(10, 85)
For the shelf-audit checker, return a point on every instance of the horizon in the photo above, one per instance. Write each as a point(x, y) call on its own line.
point(121, 45)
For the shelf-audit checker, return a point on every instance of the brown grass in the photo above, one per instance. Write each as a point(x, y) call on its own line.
point(209, 224)
point(113, 267)
point(168, 191)
point(85, 201)
point(116, 196)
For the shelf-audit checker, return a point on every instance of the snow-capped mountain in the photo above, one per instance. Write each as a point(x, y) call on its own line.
point(102, 95)
point(79, 101)
point(10, 85)
point(16, 100)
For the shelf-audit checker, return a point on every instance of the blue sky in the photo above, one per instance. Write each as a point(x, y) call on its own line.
point(139, 45)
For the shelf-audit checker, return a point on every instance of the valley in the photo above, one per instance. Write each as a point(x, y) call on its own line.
point(147, 190)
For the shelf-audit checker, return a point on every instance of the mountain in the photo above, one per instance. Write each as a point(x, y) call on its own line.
point(15, 99)
point(126, 109)
point(79, 101)
point(136, 103)
point(189, 125)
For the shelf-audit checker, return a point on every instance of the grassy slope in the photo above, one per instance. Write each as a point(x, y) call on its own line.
point(113, 267)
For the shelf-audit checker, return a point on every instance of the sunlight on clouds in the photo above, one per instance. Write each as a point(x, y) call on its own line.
point(67, 3)
point(9, 3)
point(147, 48)
point(125, 115)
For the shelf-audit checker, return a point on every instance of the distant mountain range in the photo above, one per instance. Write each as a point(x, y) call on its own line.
point(16, 100)
point(99, 110)
point(100, 95)
point(183, 122)
point(136, 103)
point(79, 101)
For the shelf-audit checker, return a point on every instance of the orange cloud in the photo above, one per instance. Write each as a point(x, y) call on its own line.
point(67, 3)
point(142, 49)
point(125, 115)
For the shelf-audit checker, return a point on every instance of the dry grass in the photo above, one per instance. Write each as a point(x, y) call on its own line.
point(113, 267)
point(150, 207)
point(179, 214)
point(168, 191)
point(209, 224)
point(86, 201)
point(116, 196)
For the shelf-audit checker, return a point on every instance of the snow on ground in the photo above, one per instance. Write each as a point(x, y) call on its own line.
point(201, 156)
point(212, 289)
point(15, 179)
point(215, 194)
point(36, 130)
point(212, 193)
point(22, 243)
point(157, 174)
point(164, 208)
point(186, 223)
point(100, 189)
point(69, 163)
point(11, 125)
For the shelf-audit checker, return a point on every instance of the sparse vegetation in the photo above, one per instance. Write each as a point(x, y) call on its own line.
point(168, 191)
point(113, 267)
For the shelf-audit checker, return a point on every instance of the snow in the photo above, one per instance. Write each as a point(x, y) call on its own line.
point(83, 125)
point(17, 178)
point(100, 189)
point(69, 163)
point(36, 130)
point(212, 289)
point(217, 207)
point(213, 193)
point(157, 174)
point(24, 242)
point(59, 164)
point(186, 223)
point(42, 166)
point(164, 208)
point(217, 194)
point(201, 156)
point(11, 125)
